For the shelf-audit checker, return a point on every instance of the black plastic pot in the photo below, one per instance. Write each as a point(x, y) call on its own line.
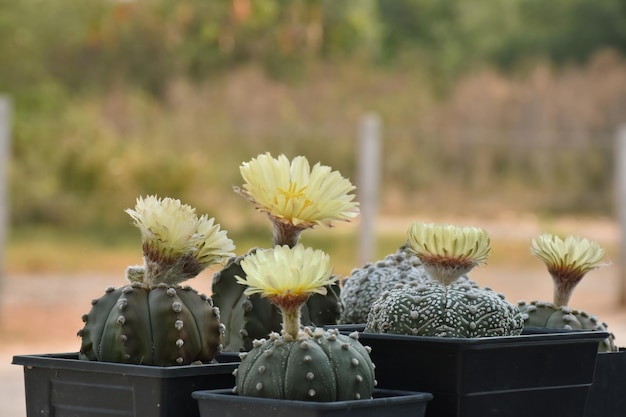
point(62, 385)
point(386, 403)
point(539, 375)
point(607, 396)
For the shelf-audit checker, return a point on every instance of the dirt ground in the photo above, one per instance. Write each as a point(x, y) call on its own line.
point(42, 313)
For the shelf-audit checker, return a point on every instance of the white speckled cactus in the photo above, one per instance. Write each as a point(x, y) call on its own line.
point(300, 364)
point(568, 261)
point(445, 306)
point(366, 284)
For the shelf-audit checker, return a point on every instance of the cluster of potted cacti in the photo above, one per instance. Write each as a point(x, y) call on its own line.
point(271, 334)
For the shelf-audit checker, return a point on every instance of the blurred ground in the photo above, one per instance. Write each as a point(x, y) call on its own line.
point(42, 313)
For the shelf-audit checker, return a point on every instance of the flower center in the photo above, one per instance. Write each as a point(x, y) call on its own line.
point(294, 194)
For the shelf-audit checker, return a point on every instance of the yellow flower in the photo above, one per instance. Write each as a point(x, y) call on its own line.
point(171, 230)
point(285, 271)
point(446, 250)
point(573, 254)
point(293, 192)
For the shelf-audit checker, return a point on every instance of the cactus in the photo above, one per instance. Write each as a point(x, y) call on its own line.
point(318, 366)
point(366, 284)
point(154, 320)
point(299, 364)
point(445, 306)
point(459, 309)
point(250, 317)
point(295, 197)
point(163, 326)
point(568, 261)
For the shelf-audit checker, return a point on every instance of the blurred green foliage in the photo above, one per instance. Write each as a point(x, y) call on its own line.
point(119, 98)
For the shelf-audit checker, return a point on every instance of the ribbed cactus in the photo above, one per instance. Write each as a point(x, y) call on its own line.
point(445, 306)
point(318, 366)
point(299, 364)
point(163, 326)
point(153, 320)
point(568, 261)
point(250, 317)
point(366, 284)
point(459, 309)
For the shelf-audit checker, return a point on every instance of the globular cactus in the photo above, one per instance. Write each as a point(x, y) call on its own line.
point(568, 261)
point(300, 364)
point(459, 309)
point(366, 284)
point(445, 306)
point(154, 320)
point(164, 325)
point(317, 366)
point(250, 317)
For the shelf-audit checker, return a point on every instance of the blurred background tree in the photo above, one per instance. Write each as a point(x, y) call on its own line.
point(487, 105)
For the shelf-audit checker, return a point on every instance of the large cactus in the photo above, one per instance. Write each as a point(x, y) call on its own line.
point(153, 320)
point(250, 317)
point(568, 261)
point(163, 326)
point(300, 364)
point(445, 306)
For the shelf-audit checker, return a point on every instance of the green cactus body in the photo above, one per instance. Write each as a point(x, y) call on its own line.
point(253, 317)
point(366, 284)
point(550, 316)
point(460, 309)
point(318, 366)
point(163, 325)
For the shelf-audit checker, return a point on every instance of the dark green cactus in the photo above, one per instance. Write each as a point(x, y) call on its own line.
point(366, 284)
point(247, 318)
point(459, 309)
point(319, 366)
point(163, 325)
point(551, 316)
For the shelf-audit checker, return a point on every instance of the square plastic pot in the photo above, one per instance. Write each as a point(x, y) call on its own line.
point(61, 385)
point(539, 375)
point(607, 395)
point(385, 403)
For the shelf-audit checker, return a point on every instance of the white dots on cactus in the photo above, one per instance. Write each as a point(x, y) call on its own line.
point(127, 289)
point(262, 369)
point(257, 342)
point(234, 390)
point(247, 306)
point(180, 360)
point(268, 352)
point(304, 346)
point(109, 290)
point(357, 396)
point(345, 346)
point(177, 306)
point(310, 376)
point(368, 349)
point(94, 301)
point(84, 318)
point(243, 355)
point(235, 371)
point(178, 325)
point(359, 378)
point(123, 338)
point(171, 292)
point(243, 333)
point(307, 359)
point(414, 314)
point(472, 325)
point(332, 338)
point(354, 335)
point(259, 386)
point(216, 312)
point(180, 343)
point(127, 356)
point(354, 362)
point(121, 320)
point(312, 392)
point(274, 336)
point(122, 303)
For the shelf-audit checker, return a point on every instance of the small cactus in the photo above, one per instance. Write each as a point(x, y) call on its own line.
point(154, 320)
point(568, 261)
point(300, 364)
point(445, 306)
point(366, 284)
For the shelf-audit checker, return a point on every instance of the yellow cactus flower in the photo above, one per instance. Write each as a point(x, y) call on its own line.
point(177, 243)
point(567, 260)
point(448, 251)
point(287, 276)
point(295, 194)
